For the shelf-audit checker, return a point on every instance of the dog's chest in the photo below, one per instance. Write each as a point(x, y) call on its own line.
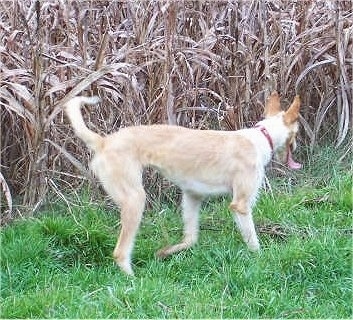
point(200, 187)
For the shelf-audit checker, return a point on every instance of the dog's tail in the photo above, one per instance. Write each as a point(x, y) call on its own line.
point(73, 111)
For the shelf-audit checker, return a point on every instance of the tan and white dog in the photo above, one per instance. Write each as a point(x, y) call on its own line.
point(200, 162)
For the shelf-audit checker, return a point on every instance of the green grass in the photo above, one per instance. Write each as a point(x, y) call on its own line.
point(59, 265)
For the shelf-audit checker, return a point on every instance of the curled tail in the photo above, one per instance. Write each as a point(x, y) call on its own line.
point(73, 111)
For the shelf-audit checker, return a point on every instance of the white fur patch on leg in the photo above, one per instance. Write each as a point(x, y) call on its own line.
point(246, 226)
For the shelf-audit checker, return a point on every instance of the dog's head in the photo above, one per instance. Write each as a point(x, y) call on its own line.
point(286, 123)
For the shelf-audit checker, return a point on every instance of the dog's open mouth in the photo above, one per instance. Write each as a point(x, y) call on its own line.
point(290, 161)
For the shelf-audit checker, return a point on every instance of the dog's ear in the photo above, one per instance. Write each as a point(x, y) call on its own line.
point(292, 114)
point(273, 105)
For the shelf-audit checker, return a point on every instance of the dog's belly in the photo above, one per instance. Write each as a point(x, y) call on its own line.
point(202, 188)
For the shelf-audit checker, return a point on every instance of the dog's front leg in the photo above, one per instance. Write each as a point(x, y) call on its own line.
point(246, 226)
point(244, 195)
point(191, 205)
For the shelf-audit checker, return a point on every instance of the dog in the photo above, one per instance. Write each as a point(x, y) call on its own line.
point(199, 162)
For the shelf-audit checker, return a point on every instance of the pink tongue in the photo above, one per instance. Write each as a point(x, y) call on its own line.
point(291, 163)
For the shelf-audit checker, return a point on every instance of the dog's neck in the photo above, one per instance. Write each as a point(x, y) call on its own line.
point(274, 130)
point(266, 134)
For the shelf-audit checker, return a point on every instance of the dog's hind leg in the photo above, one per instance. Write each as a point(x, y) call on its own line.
point(123, 182)
point(132, 205)
point(190, 205)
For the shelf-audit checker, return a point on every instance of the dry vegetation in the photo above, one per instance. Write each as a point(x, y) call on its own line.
point(204, 64)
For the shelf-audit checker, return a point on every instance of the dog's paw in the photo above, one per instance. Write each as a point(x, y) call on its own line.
point(126, 268)
point(254, 246)
point(163, 253)
point(123, 263)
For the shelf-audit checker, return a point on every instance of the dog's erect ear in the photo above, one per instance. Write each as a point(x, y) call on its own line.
point(292, 113)
point(273, 105)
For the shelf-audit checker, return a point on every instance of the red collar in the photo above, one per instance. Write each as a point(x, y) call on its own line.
point(266, 134)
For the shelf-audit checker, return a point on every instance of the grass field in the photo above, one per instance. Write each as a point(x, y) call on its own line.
point(59, 265)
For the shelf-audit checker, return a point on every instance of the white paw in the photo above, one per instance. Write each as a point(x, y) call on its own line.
point(254, 246)
point(126, 268)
